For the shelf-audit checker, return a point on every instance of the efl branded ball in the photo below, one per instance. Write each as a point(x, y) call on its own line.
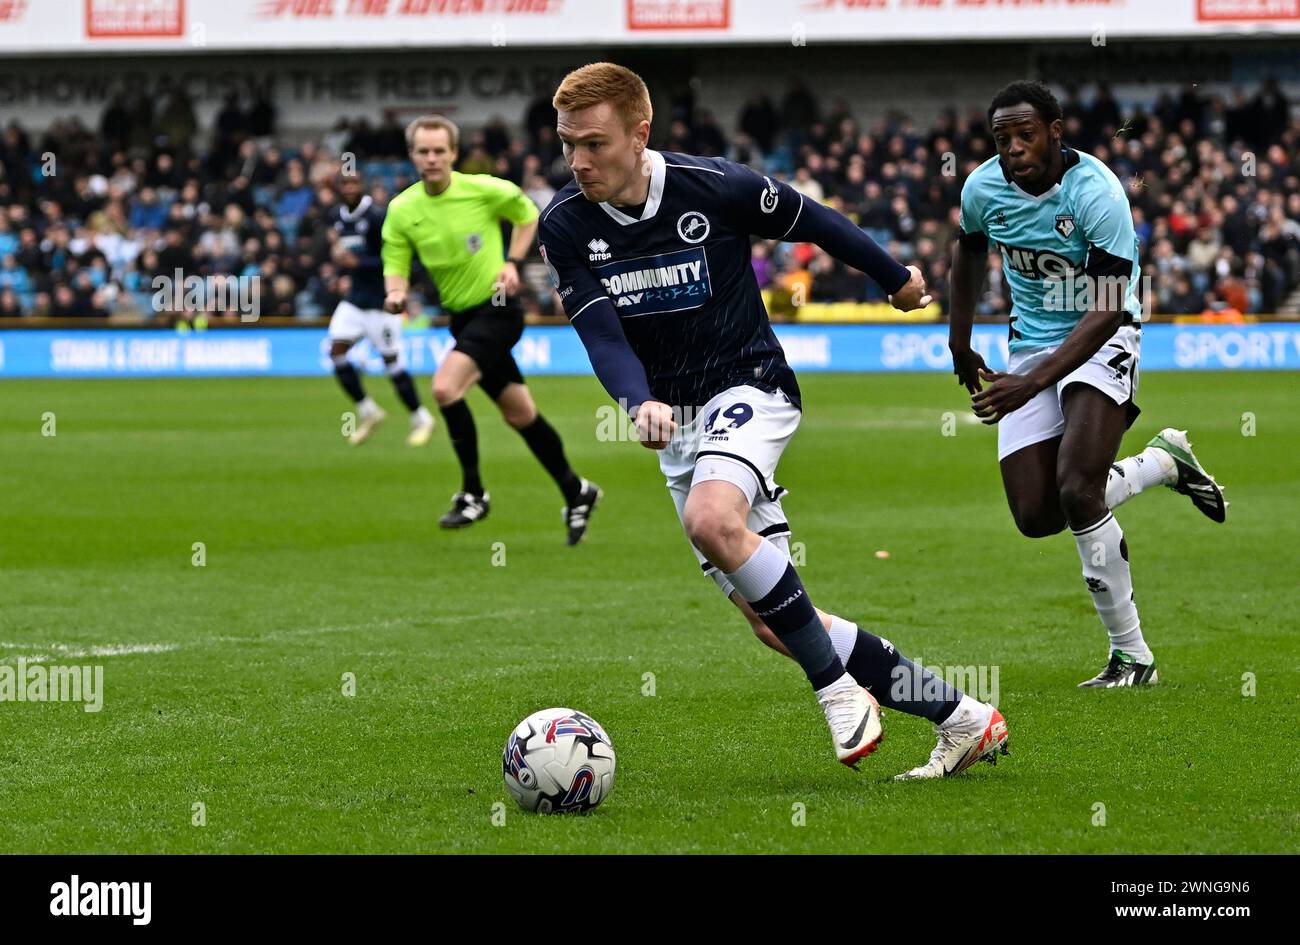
point(558, 761)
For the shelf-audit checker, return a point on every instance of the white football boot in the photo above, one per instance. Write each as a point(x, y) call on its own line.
point(367, 421)
point(421, 428)
point(975, 732)
point(854, 717)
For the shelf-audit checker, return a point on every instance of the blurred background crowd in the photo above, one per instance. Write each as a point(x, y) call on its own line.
point(90, 216)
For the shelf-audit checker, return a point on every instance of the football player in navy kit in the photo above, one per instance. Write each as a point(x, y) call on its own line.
point(358, 221)
point(650, 255)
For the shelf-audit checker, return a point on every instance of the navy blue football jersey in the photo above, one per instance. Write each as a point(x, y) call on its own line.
point(679, 273)
point(359, 233)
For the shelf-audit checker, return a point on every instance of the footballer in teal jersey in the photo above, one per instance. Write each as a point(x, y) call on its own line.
point(1056, 246)
point(1062, 223)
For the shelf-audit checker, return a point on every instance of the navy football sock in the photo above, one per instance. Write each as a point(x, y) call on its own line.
point(769, 583)
point(405, 388)
point(348, 379)
point(897, 682)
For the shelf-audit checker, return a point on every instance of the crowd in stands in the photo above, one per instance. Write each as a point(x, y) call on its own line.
point(89, 217)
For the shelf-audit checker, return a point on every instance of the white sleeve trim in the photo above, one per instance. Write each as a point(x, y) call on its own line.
point(550, 209)
point(598, 298)
point(691, 167)
point(796, 217)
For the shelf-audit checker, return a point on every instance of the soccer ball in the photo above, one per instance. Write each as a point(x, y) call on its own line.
point(558, 761)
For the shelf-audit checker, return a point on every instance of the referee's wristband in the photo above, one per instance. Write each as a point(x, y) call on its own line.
point(517, 263)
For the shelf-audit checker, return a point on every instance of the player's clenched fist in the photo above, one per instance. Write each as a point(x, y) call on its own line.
point(913, 294)
point(395, 303)
point(655, 424)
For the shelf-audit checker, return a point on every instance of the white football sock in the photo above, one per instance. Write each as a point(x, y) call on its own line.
point(1104, 554)
point(760, 572)
point(844, 634)
point(366, 406)
point(844, 682)
point(1128, 477)
point(969, 712)
point(421, 417)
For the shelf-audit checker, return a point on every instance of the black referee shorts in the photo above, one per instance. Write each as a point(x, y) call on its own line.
point(487, 333)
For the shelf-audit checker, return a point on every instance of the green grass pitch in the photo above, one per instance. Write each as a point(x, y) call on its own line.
point(223, 683)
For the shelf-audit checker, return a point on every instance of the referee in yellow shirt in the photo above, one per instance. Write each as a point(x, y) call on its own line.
point(452, 221)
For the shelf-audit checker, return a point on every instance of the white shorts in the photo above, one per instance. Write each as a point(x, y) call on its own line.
point(383, 330)
point(737, 437)
point(1113, 370)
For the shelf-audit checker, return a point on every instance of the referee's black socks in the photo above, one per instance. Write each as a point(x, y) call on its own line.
point(549, 450)
point(464, 440)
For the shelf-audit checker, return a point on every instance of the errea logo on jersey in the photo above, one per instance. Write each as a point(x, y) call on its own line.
point(599, 250)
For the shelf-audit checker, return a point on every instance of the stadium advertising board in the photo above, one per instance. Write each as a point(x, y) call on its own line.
point(557, 350)
point(182, 25)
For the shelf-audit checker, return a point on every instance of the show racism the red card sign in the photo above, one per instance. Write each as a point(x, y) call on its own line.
point(678, 14)
point(12, 10)
point(1263, 10)
point(134, 18)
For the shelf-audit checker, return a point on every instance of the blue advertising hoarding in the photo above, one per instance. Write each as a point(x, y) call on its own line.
point(557, 350)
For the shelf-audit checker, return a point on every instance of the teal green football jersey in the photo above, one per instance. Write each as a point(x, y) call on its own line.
point(1081, 226)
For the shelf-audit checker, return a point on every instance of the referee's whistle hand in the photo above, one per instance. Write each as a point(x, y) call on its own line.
point(509, 278)
point(913, 294)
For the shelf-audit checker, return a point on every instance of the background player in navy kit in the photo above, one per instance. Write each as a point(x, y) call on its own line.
point(359, 223)
point(650, 255)
point(1066, 399)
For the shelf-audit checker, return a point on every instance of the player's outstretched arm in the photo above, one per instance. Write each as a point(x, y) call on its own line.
point(775, 210)
point(970, 262)
point(844, 240)
point(913, 294)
